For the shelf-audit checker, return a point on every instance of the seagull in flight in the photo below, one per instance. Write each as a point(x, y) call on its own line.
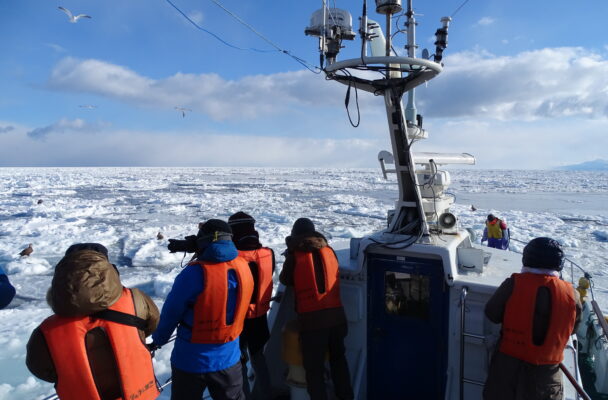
point(88, 106)
point(73, 18)
point(183, 110)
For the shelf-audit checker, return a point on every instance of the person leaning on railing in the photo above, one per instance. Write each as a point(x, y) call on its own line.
point(538, 312)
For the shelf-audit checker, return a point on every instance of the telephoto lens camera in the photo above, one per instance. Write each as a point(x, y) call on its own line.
point(188, 244)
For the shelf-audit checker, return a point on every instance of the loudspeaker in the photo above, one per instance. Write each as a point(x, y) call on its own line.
point(447, 220)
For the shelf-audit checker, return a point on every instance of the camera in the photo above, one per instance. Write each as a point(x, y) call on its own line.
point(188, 244)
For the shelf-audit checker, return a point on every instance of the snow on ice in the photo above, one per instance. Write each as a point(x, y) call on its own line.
point(124, 208)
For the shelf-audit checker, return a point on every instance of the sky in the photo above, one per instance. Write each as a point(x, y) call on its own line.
point(524, 85)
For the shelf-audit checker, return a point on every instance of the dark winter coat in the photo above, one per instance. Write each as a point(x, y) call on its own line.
point(85, 282)
point(510, 378)
point(313, 320)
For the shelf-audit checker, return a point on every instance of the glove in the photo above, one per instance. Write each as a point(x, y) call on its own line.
point(152, 346)
point(188, 245)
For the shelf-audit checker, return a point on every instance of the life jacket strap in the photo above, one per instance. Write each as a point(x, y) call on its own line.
point(121, 318)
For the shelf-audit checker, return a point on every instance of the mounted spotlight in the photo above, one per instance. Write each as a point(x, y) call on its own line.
point(447, 221)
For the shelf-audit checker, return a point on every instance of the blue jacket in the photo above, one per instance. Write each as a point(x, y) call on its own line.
point(7, 291)
point(179, 306)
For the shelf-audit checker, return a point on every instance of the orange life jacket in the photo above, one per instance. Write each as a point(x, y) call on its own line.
point(494, 229)
point(519, 315)
point(65, 337)
point(308, 297)
point(262, 259)
point(210, 309)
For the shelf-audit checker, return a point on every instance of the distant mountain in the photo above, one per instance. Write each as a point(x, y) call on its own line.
point(595, 165)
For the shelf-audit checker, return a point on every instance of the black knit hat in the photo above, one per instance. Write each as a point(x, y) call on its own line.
point(215, 229)
point(543, 252)
point(240, 218)
point(100, 248)
point(302, 226)
point(242, 225)
point(491, 217)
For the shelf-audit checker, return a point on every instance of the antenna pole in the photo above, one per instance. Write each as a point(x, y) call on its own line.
point(410, 109)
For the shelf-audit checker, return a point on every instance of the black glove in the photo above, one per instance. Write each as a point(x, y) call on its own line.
point(188, 245)
point(152, 347)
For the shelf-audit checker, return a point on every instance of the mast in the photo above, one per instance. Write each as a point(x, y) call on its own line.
point(398, 75)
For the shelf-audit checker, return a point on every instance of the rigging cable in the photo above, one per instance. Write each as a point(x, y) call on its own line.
point(307, 65)
point(459, 7)
point(213, 34)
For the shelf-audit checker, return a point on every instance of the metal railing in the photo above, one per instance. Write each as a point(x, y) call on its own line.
point(579, 389)
point(464, 334)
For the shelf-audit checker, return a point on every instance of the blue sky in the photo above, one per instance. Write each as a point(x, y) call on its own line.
point(525, 85)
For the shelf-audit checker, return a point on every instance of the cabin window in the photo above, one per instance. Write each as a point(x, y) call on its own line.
point(406, 294)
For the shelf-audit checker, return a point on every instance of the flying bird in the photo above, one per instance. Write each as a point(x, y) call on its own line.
point(73, 18)
point(159, 236)
point(183, 110)
point(88, 106)
point(27, 251)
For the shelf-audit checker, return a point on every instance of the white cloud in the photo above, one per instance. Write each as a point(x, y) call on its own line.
point(485, 21)
point(6, 129)
point(56, 47)
point(246, 98)
point(196, 16)
point(62, 126)
point(107, 147)
point(547, 83)
point(495, 144)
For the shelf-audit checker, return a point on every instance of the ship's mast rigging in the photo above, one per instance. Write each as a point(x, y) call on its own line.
point(398, 75)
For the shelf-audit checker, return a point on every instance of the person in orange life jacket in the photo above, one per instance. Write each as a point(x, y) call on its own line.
point(496, 233)
point(311, 267)
point(538, 312)
point(207, 304)
point(7, 291)
point(255, 331)
point(93, 308)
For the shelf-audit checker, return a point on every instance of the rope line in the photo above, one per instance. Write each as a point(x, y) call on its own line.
point(197, 26)
point(303, 62)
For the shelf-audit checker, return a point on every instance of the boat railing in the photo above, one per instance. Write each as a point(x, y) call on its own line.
point(577, 386)
point(464, 334)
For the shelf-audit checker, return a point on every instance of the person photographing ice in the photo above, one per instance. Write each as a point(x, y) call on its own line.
point(496, 233)
point(538, 312)
point(208, 304)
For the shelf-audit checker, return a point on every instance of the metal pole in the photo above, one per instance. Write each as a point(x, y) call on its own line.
point(463, 297)
point(581, 392)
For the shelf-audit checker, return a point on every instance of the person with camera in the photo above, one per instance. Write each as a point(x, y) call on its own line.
point(207, 303)
point(255, 332)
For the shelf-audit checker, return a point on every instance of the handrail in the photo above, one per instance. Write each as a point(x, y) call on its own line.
point(600, 317)
point(579, 389)
point(463, 298)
